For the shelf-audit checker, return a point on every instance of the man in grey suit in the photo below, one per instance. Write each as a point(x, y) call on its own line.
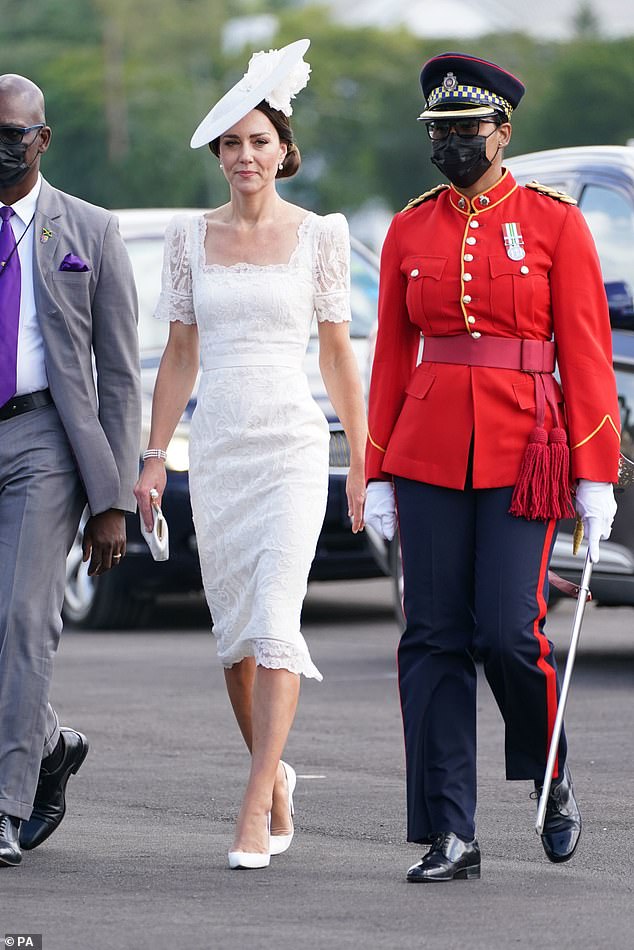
point(69, 436)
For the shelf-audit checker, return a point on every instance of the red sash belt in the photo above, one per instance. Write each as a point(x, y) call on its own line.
point(542, 490)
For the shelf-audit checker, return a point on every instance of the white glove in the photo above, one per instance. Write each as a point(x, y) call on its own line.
point(596, 507)
point(380, 509)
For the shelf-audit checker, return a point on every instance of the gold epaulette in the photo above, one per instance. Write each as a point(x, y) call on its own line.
point(551, 192)
point(426, 196)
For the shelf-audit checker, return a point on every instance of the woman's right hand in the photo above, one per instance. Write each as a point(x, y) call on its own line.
point(153, 476)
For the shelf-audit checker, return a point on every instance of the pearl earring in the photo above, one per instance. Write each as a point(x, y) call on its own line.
point(220, 165)
point(281, 166)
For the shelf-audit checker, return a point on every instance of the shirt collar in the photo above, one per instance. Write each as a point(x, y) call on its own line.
point(25, 207)
point(486, 200)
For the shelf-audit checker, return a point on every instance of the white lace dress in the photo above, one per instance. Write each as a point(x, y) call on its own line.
point(259, 442)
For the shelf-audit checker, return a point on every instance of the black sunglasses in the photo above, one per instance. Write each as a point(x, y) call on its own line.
point(13, 134)
point(439, 129)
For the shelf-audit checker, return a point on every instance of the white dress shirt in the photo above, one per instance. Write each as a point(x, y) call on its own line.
point(31, 375)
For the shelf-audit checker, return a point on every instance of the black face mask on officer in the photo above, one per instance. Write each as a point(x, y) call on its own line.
point(462, 160)
point(13, 168)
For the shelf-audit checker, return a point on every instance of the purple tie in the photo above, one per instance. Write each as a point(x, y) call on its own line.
point(10, 285)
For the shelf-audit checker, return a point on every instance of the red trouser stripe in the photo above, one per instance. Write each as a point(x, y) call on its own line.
point(544, 647)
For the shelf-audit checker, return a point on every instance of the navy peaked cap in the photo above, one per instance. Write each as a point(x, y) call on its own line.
point(455, 83)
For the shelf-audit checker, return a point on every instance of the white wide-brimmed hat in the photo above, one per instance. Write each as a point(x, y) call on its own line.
point(276, 75)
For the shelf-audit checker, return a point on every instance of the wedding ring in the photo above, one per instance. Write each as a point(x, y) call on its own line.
point(115, 557)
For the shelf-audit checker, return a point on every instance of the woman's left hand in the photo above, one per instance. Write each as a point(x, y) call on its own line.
point(355, 490)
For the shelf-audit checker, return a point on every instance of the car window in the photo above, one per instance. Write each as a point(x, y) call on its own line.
point(625, 386)
point(364, 294)
point(146, 255)
point(610, 216)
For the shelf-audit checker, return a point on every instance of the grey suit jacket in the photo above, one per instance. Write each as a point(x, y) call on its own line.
point(88, 321)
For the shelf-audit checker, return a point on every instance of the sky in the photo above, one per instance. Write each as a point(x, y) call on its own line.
point(541, 18)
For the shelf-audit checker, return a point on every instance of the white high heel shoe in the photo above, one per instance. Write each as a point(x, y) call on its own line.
point(251, 859)
point(281, 843)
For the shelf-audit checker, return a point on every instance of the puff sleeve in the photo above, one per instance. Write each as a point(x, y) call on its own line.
point(331, 270)
point(176, 300)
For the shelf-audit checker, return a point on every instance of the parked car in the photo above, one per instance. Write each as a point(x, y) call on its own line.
point(601, 178)
point(122, 596)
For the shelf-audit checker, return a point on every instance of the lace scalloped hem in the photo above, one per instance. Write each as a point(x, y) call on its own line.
point(277, 655)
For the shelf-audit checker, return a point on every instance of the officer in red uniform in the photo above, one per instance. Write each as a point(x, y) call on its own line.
point(481, 450)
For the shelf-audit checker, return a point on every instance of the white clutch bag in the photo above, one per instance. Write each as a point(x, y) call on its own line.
point(158, 538)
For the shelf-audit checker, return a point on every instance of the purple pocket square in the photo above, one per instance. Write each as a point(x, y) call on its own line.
point(72, 262)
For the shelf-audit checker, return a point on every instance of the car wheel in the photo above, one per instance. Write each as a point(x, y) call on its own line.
point(97, 602)
point(396, 572)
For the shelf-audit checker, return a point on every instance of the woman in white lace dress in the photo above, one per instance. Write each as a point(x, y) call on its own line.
point(242, 284)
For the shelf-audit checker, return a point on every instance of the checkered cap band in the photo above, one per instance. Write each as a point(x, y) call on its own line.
point(469, 94)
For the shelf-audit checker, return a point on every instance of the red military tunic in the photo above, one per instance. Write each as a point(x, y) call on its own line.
point(445, 270)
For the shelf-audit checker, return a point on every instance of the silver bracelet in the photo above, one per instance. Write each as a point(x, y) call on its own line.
point(155, 454)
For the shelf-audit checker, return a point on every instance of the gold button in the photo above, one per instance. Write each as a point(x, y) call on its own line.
point(466, 299)
point(474, 224)
point(468, 257)
point(414, 273)
point(471, 319)
point(471, 240)
point(466, 276)
point(475, 335)
point(524, 269)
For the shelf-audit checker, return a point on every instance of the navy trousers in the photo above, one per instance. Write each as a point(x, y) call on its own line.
point(475, 589)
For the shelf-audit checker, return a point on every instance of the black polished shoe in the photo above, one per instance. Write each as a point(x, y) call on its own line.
point(10, 854)
point(50, 798)
point(448, 859)
point(562, 823)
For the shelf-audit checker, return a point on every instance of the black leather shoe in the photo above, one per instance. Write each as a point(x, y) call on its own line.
point(448, 859)
point(10, 854)
point(562, 822)
point(50, 798)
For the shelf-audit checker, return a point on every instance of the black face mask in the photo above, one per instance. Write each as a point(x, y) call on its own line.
point(13, 168)
point(461, 160)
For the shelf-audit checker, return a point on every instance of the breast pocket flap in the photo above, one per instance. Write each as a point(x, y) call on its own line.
point(501, 264)
point(417, 267)
point(71, 276)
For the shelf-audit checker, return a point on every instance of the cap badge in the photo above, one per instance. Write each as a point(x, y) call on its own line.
point(513, 241)
point(449, 82)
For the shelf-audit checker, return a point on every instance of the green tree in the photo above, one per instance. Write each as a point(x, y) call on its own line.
point(585, 21)
point(126, 84)
point(589, 96)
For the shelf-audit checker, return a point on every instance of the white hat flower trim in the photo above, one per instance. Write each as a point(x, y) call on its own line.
point(261, 65)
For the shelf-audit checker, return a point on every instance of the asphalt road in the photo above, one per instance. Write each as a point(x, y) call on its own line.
point(140, 860)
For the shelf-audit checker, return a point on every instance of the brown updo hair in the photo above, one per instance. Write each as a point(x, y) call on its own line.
point(292, 160)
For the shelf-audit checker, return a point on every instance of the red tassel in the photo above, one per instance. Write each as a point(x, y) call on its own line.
point(530, 497)
point(542, 490)
point(560, 474)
